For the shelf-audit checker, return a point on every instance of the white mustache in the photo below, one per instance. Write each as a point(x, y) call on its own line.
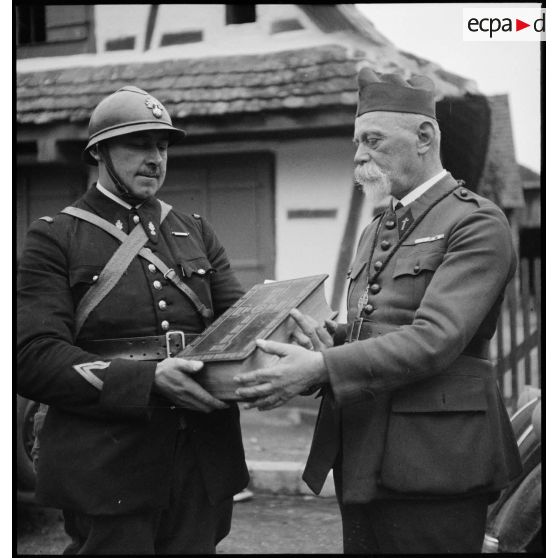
point(373, 181)
point(367, 172)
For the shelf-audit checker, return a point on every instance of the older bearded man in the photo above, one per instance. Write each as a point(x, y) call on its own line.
point(411, 419)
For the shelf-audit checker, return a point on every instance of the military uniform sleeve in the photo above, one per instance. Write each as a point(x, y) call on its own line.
point(50, 368)
point(225, 288)
point(479, 261)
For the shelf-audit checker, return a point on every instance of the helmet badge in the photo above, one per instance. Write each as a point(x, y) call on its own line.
point(155, 106)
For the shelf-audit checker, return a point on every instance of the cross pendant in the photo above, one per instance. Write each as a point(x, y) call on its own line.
point(362, 301)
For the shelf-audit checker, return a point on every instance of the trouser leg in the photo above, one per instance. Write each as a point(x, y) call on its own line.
point(110, 534)
point(191, 524)
point(358, 536)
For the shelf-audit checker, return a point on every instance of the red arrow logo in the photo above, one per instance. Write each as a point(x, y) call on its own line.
point(519, 25)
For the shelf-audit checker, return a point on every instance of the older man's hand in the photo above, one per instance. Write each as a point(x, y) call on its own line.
point(296, 370)
point(310, 334)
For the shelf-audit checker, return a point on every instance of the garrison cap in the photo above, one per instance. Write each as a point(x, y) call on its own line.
point(128, 110)
point(393, 93)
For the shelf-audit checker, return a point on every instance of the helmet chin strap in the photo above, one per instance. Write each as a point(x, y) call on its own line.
point(122, 189)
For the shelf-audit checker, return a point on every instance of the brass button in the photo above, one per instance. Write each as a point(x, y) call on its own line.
point(464, 192)
point(368, 309)
point(390, 224)
point(165, 325)
point(157, 285)
point(416, 269)
point(201, 271)
point(375, 288)
point(385, 244)
point(136, 219)
point(95, 277)
point(378, 265)
point(163, 304)
point(152, 268)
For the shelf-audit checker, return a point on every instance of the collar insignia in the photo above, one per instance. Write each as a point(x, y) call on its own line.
point(404, 222)
point(119, 224)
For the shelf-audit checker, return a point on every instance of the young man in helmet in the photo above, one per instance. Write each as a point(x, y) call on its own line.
point(140, 458)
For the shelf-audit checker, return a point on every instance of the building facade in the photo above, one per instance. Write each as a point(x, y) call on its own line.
point(267, 95)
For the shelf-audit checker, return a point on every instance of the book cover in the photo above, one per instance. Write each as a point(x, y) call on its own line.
point(228, 345)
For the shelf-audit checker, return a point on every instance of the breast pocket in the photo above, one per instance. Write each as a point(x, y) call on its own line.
point(196, 273)
point(412, 273)
point(81, 278)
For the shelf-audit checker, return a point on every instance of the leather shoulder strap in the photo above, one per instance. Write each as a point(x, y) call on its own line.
point(108, 227)
point(110, 275)
point(165, 210)
point(85, 215)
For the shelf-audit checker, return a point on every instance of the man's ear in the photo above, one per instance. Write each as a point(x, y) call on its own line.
point(425, 136)
point(94, 152)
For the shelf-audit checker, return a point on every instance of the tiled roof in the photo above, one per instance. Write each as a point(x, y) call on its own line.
point(531, 180)
point(315, 77)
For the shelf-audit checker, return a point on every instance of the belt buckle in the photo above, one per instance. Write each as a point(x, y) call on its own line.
point(353, 336)
point(168, 340)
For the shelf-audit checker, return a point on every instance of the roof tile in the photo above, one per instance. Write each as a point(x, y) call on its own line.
point(295, 79)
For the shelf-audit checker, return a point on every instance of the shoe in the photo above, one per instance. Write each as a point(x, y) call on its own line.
point(243, 496)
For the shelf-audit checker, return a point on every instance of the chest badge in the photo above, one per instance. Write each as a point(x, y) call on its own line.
point(119, 224)
point(151, 227)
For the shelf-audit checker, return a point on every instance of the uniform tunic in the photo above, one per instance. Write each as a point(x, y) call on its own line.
point(110, 451)
point(413, 405)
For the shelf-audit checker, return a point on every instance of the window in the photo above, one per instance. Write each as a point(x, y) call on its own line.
point(123, 43)
point(240, 13)
point(54, 30)
point(31, 26)
point(181, 38)
point(282, 25)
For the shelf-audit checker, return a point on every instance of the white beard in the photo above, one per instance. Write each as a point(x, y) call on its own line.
point(374, 183)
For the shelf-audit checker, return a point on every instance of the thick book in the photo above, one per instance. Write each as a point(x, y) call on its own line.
point(228, 345)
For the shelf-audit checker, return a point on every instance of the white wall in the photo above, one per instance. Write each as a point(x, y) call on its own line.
point(124, 20)
point(309, 174)
point(118, 21)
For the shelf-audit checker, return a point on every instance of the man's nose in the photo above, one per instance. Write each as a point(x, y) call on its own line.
point(154, 155)
point(361, 155)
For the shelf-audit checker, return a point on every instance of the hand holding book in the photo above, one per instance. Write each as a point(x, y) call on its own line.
point(297, 370)
point(228, 346)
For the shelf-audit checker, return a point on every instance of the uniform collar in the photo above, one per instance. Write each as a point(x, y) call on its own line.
point(421, 189)
point(114, 197)
point(437, 190)
point(122, 215)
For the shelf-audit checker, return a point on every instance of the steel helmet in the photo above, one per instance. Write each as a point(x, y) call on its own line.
point(128, 110)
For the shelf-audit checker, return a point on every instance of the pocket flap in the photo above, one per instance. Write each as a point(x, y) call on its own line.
point(196, 266)
point(440, 394)
point(414, 264)
point(356, 268)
